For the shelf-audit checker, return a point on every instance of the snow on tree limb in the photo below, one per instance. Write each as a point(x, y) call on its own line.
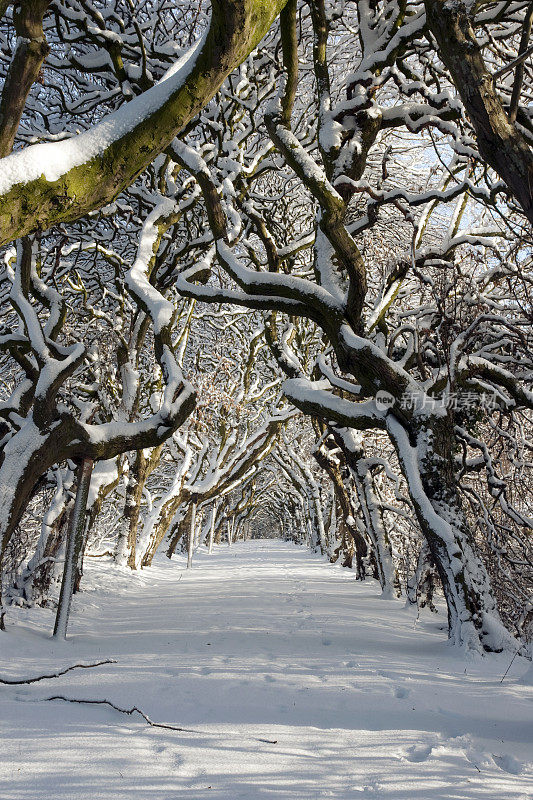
point(52, 182)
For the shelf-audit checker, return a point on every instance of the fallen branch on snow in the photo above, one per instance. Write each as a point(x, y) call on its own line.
point(128, 711)
point(135, 710)
point(9, 682)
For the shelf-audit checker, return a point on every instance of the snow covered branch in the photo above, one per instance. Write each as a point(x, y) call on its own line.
point(54, 182)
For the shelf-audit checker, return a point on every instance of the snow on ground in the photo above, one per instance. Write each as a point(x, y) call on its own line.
point(260, 641)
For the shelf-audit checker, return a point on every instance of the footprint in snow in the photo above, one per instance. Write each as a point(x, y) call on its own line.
point(383, 673)
point(418, 752)
point(164, 751)
point(371, 789)
point(508, 763)
point(478, 758)
point(177, 761)
point(400, 692)
point(174, 673)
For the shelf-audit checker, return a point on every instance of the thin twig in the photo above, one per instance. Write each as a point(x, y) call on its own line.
point(9, 682)
point(510, 665)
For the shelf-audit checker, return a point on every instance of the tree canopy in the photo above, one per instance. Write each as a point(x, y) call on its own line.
point(268, 264)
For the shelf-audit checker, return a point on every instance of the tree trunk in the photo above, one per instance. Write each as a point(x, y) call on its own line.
point(33, 585)
point(352, 448)
point(157, 528)
point(357, 547)
point(26, 456)
point(421, 587)
point(127, 543)
point(30, 53)
point(74, 544)
point(177, 534)
point(192, 531)
point(473, 618)
point(500, 142)
point(93, 510)
point(212, 527)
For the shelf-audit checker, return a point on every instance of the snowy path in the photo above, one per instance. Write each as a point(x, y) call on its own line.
point(259, 641)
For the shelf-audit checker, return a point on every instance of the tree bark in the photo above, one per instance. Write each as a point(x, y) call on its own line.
point(473, 618)
point(500, 142)
point(354, 454)
point(359, 545)
point(135, 135)
point(212, 527)
point(192, 531)
point(127, 542)
point(30, 53)
point(34, 582)
point(176, 535)
point(74, 545)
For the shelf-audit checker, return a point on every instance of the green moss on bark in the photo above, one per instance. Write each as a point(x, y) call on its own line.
point(237, 27)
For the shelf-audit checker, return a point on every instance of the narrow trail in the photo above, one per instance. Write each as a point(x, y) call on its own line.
point(260, 641)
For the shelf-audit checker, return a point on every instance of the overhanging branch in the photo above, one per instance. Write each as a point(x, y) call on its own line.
point(59, 182)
